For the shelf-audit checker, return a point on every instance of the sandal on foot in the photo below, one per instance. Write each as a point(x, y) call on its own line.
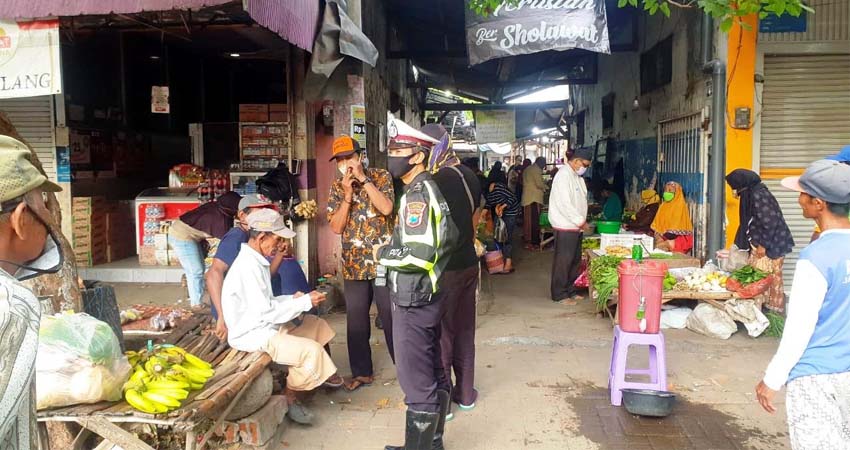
point(357, 382)
point(334, 382)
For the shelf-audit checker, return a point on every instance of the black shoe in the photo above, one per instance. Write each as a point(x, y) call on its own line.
point(419, 431)
point(378, 324)
point(445, 404)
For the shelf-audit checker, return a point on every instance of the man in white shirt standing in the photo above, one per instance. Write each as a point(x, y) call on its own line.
point(568, 216)
point(259, 321)
point(814, 355)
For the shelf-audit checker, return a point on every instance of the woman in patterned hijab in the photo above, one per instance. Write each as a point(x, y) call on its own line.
point(762, 230)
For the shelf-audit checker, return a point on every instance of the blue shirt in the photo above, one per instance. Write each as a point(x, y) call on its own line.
point(230, 244)
point(828, 350)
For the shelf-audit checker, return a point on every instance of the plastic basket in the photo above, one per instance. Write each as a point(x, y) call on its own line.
point(608, 227)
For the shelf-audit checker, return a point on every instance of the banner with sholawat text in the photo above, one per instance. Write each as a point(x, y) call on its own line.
point(533, 26)
point(29, 58)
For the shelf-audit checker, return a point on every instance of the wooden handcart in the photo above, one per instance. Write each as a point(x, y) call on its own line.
point(202, 412)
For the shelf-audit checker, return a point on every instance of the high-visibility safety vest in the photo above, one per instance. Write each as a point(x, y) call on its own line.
point(423, 239)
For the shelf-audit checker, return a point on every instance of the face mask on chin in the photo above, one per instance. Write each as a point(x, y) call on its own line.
point(581, 171)
point(50, 261)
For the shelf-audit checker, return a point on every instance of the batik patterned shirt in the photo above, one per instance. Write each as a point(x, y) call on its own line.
point(366, 226)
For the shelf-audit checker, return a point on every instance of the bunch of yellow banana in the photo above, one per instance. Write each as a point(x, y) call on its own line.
point(162, 377)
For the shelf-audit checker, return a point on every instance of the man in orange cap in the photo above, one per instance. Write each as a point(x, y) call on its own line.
point(360, 206)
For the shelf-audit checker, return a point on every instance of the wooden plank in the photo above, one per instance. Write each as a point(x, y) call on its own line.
point(113, 419)
point(185, 327)
point(209, 391)
point(220, 419)
point(230, 355)
point(81, 438)
point(113, 433)
point(105, 444)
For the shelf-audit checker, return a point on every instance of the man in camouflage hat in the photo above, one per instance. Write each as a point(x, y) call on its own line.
point(27, 250)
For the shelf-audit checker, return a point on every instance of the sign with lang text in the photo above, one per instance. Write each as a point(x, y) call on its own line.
point(495, 126)
point(358, 124)
point(29, 58)
point(533, 26)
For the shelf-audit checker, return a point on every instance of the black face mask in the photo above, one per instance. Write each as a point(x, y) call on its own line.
point(399, 166)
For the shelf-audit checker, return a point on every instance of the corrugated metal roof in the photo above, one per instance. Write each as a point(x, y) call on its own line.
point(22, 9)
point(293, 20)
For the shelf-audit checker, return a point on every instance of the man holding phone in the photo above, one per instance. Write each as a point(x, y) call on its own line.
point(360, 208)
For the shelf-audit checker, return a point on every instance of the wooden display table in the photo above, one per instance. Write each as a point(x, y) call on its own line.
point(679, 261)
point(201, 412)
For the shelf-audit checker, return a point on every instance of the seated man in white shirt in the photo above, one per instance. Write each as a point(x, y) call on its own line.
point(257, 320)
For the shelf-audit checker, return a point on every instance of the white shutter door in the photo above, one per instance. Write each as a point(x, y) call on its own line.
point(33, 118)
point(806, 116)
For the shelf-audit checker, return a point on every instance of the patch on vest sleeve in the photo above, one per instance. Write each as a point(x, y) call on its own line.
point(414, 214)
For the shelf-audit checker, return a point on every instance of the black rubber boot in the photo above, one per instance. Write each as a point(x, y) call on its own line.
point(419, 431)
point(445, 403)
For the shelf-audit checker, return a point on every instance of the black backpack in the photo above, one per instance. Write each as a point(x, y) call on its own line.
point(280, 186)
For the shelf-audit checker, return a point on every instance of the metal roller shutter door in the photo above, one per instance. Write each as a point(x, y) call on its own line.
point(33, 118)
point(805, 116)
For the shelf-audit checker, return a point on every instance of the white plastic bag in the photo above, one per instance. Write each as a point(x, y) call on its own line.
point(712, 322)
point(746, 312)
point(675, 318)
point(79, 361)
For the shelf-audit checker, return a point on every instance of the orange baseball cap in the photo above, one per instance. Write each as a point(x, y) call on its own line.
point(344, 146)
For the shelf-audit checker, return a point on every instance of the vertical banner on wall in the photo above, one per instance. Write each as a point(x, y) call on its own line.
point(536, 26)
point(29, 58)
point(358, 124)
point(496, 126)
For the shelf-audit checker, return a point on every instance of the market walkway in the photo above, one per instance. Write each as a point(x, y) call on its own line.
point(542, 372)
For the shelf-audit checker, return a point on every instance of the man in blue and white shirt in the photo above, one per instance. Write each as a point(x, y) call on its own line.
point(813, 358)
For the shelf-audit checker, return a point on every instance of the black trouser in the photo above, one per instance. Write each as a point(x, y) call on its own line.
point(458, 331)
point(566, 264)
point(419, 366)
point(359, 295)
point(532, 224)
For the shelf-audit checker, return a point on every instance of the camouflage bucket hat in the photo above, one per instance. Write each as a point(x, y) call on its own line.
point(18, 175)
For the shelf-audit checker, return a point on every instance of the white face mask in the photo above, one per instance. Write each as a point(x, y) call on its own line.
point(342, 168)
point(581, 170)
point(50, 261)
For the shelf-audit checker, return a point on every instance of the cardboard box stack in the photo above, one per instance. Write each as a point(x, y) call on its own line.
point(120, 231)
point(249, 112)
point(89, 230)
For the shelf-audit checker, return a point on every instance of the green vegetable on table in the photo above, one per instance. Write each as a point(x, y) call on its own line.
point(590, 244)
point(604, 277)
point(748, 274)
point(660, 256)
point(669, 281)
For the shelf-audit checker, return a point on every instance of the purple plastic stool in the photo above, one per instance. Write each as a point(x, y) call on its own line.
point(657, 363)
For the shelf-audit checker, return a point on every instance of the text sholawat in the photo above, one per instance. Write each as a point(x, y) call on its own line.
point(517, 34)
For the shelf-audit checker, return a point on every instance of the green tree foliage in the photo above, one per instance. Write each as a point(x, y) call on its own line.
point(726, 12)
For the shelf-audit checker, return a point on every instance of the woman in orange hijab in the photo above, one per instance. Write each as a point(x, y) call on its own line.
point(673, 228)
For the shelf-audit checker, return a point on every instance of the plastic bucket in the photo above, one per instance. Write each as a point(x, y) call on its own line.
point(608, 227)
point(640, 281)
point(544, 220)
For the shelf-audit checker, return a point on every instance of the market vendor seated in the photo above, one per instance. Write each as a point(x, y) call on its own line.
point(642, 221)
point(672, 225)
point(287, 276)
point(259, 321)
point(612, 205)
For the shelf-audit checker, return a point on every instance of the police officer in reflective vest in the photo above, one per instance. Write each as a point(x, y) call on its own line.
point(422, 240)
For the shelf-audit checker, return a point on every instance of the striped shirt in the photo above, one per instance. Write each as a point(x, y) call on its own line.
point(502, 195)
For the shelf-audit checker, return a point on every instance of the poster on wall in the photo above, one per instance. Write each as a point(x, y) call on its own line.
point(29, 58)
point(536, 26)
point(495, 126)
point(159, 100)
point(358, 124)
